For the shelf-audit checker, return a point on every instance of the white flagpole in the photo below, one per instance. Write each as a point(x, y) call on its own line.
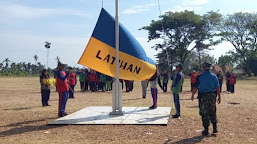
point(117, 95)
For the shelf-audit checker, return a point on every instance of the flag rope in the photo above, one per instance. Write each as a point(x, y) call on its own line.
point(167, 54)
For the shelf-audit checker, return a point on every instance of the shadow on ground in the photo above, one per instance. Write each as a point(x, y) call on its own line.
point(19, 128)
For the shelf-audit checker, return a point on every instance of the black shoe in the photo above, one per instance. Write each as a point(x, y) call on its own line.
point(205, 132)
point(215, 129)
point(63, 114)
point(152, 107)
point(144, 97)
point(175, 116)
point(48, 105)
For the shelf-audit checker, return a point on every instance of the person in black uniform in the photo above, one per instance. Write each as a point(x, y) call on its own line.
point(208, 88)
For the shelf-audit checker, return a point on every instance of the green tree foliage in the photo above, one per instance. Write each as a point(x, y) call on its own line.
point(225, 60)
point(240, 29)
point(180, 30)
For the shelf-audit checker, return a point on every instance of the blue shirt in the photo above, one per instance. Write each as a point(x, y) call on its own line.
point(207, 82)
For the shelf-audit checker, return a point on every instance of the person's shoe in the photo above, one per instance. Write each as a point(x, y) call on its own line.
point(63, 114)
point(152, 107)
point(175, 116)
point(215, 129)
point(205, 132)
point(48, 105)
point(144, 97)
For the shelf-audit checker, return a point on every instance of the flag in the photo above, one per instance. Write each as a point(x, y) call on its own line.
point(100, 52)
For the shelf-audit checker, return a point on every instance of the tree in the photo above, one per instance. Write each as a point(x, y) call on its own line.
point(241, 31)
point(181, 29)
point(6, 61)
point(35, 58)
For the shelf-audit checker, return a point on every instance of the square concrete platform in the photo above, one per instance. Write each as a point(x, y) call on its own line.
point(132, 115)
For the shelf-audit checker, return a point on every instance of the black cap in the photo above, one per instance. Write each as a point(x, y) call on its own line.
point(206, 65)
point(70, 68)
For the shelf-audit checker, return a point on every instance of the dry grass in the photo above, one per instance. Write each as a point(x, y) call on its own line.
point(23, 120)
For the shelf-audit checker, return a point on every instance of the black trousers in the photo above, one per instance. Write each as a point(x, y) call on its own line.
point(86, 85)
point(82, 86)
point(45, 96)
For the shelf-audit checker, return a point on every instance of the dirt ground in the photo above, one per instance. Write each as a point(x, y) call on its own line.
point(24, 120)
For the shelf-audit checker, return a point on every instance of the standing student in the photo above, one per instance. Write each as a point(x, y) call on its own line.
point(154, 91)
point(207, 85)
point(127, 85)
point(45, 88)
point(232, 83)
point(131, 85)
point(108, 83)
point(82, 77)
point(86, 79)
point(228, 80)
point(193, 77)
point(62, 88)
point(144, 85)
point(103, 82)
point(93, 81)
point(165, 81)
point(72, 79)
point(176, 89)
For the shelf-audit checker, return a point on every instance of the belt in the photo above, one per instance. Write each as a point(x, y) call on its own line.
point(208, 92)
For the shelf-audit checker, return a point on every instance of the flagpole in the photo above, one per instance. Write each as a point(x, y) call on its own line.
point(117, 94)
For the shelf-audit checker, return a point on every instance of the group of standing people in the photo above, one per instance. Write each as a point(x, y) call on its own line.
point(93, 81)
point(177, 82)
point(205, 82)
point(65, 83)
point(230, 81)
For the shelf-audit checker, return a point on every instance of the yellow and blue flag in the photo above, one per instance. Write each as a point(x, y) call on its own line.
point(100, 52)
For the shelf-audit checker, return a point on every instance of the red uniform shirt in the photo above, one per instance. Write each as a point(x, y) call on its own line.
point(92, 76)
point(232, 79)
point(72, 79)
point(193, 78)
point(61, 82)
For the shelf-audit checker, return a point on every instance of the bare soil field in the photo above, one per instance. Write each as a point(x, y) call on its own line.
point(24, 120)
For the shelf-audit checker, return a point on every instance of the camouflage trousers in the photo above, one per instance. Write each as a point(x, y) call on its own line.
point(207, 106)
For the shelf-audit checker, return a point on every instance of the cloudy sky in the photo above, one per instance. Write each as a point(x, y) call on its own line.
point(25, 25)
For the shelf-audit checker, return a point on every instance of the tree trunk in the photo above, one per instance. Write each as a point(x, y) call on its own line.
point(248, 70)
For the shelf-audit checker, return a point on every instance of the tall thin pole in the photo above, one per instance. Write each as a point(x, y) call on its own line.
point(117, 95)
point(47, 57)
point(117, 50)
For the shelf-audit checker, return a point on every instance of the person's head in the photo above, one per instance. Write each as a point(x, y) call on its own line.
point(206, 66)
point(86, 70)
point(71, 70)
point(165, 71)
point(81, 70)
point(61, 66)
point(44, 72)
point(194, 71)
point(179, 67)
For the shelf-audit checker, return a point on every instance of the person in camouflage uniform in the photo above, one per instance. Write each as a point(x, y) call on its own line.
point(208, 88)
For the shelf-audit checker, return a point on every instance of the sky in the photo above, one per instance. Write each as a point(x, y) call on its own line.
point(25, 25)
